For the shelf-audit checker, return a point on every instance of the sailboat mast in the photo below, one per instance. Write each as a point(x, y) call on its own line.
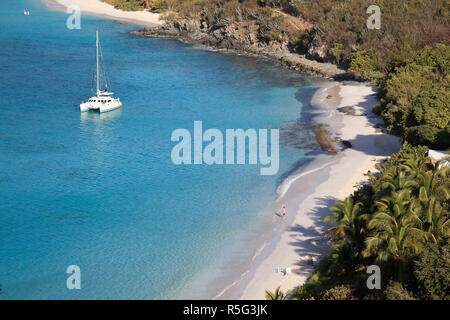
point(98, 78)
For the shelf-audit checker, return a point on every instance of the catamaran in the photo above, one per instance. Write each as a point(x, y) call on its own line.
point(104, 101)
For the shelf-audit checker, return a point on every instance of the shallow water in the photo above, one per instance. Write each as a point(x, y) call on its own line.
point(100, 191)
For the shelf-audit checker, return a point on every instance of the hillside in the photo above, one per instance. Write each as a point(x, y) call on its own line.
point(298, 34)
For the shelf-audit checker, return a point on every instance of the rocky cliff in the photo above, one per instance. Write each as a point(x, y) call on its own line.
point(242, 38)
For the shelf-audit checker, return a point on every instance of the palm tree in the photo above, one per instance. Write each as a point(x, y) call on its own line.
point(277, 295)
point(415, 165)
point(436, 224)
point(348, 233)
point(434, 219)
point(433, 189)
point(430, 180)
point(394, 229)
point(350, 222)
point(395, 178)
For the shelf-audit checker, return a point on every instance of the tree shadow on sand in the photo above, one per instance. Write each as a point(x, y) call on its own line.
point(309, 242)
point(373, 144)
point(376, 144)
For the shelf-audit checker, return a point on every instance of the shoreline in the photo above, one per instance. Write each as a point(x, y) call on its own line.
point(216, 282)
point(105, 10)
point(285, 59)
point(307, 200)
point(155, 28)
point(309, 193)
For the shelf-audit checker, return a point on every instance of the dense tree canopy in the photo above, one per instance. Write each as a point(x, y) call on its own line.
point(415, 98)
point(399, 221)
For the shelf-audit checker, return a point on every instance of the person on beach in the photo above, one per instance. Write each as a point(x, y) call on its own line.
point(283, 212)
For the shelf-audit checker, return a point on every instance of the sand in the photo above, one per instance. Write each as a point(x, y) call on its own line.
point(300, 243)
point(99, 8)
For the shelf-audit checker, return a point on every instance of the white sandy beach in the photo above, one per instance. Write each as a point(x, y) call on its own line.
point(301, 237)
point(99, 8)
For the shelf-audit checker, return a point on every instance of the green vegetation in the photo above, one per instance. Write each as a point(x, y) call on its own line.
point(406, 27)
point(338, 293)
point(399, 221)
point(362, 62)
point(415, 98)
point(159, 6)
point(131, 5)
point(277, 295)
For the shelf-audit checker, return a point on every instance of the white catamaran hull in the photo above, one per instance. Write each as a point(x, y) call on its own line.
point(100, 106)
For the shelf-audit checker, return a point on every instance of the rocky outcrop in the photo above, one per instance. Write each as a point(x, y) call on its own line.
point(241, 38)
point(301, 63)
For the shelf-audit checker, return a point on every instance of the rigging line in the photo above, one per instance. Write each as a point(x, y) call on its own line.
point(92, 82)
point(101, 61)
point(103, 69)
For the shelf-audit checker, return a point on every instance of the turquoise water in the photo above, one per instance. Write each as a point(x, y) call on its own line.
point(100, 191)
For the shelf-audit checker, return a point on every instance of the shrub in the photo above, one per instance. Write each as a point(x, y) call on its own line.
point(431, 108)
point(129, 5)
point(159, 6)
point(337, 52)
point(341, 292)
point(298, 41)
point(422, 135)
point(271, 29)
point(396, 291)
point(364, 63)
point(419, 110)
point(432, 271)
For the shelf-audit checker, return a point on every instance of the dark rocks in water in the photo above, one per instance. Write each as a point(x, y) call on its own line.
point(304, 136)
point(346, 144)
point(298, 136)
point(348, 110)
point(325, 141)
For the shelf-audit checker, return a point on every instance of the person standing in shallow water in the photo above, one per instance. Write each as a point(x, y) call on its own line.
point(283, 212)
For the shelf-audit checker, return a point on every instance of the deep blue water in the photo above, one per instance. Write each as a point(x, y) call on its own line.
point(100, 191)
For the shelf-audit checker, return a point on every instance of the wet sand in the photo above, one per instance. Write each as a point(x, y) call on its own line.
point(299, 244)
